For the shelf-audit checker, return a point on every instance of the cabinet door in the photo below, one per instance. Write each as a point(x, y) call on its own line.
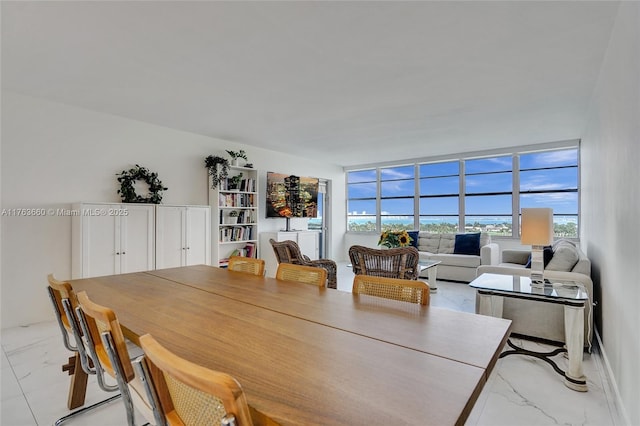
point(170, 246)
point(198, 236)
point(100, 244)
point(137, 241)
point(308, 243)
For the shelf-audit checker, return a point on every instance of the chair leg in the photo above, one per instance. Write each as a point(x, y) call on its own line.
point(78, 385)
point(85, 409)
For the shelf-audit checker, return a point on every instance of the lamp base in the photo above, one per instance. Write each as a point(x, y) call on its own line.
point(537, 266)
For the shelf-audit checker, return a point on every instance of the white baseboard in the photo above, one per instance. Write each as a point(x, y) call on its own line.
point(619, 414)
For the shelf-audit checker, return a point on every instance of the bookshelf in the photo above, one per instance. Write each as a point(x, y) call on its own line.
point(234, 215)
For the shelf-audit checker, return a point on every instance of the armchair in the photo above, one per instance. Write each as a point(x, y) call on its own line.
point(289, 252)
point(401, 262)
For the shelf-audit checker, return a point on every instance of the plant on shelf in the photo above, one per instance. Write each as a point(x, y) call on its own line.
point(234, 182)
point(218, 169)
point(392, 239)
point(237, 155)
point(234, 213)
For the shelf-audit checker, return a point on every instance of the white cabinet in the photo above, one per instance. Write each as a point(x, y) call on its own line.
point(308, 241)
point(110, 238)
point(234, 207)
point(183, 236)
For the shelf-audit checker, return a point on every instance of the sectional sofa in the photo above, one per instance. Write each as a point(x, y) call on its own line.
point(459, 261)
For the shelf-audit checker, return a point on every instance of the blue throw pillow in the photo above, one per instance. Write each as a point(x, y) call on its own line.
point(467, 244)
point(547, 254)
point(414, 238)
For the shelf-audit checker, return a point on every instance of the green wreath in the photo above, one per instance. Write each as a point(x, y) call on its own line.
point(128, 192)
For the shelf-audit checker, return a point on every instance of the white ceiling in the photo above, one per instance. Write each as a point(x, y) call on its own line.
point(344, 82)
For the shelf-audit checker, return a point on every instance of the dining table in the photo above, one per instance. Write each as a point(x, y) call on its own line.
point(312, 356)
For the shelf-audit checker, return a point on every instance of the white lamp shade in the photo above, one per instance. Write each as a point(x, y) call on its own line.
point(537, 226)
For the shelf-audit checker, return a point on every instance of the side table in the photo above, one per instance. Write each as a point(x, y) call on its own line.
point(493, 288)
point(431, 267)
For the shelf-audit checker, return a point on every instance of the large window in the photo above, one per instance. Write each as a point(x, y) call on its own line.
point(439, 197)
point(362, 207)
point(488, 189)
point(397, 190)
point(550, 179)
point(481, 193)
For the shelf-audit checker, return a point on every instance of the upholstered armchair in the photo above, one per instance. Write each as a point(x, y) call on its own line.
point(401, 262)
point(289, 252)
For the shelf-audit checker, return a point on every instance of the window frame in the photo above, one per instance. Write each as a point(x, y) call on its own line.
point(514, 153)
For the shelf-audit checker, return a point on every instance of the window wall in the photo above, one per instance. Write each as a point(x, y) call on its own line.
point(467, 194)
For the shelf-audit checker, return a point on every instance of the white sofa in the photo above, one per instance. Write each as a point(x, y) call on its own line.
point(545, 320)
point(456, 267)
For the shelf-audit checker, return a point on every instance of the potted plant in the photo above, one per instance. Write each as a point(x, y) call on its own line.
point(234, 182)
point(237, 155)
point(218, 169)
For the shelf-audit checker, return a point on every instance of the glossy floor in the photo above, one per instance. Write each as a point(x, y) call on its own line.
point(520, 391)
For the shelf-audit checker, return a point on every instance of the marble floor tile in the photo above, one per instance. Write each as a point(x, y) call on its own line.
point(520, 391)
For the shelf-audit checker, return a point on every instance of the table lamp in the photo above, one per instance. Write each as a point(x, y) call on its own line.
point(537, 231)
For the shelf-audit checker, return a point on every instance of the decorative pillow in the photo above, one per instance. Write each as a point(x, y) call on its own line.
point(547, 255)
point(467, 244)
point(564, 258)
point(414, 238)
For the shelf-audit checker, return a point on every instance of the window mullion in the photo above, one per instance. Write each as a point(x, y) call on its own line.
point(515, 199)
point(461, 198)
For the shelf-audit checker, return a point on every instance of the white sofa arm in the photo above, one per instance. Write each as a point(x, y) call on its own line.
point(490, 254)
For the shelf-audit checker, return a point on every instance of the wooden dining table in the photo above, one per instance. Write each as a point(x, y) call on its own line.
point(312, 356)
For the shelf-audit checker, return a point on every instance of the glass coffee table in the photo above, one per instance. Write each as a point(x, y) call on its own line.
point(431, 266)
point(493, 288)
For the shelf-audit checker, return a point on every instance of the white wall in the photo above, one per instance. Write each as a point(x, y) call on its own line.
point(611, 205)
point(54, 155)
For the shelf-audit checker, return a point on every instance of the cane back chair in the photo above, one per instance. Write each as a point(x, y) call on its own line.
point(412, 291)
point(64, 302)
point(107, 344)
point(246, 264)
point(184, 393)
point(302, 274)
point(401, 262)
point(289, 252)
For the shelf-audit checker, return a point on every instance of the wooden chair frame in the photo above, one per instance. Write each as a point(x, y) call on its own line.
point(302, 274)
point(412, 291)
point(107, 346)
point(289, 252)
point(64, 301)
point(247, 264)
point(401, 262)
point(158, 361)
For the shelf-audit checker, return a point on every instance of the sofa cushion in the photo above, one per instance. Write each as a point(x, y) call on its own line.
point(565, 256)
point(447, 242)
point(485, 238)
point(461, 260)
point(467, 244)
point(428, 242)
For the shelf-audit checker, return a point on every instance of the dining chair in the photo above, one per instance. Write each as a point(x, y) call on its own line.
point(108, 346)
point(401, 262)
point(413, 291)
point(289, 252)
point(302, 274)
point(64, 301)
point(246, 264)
point(184, 393)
